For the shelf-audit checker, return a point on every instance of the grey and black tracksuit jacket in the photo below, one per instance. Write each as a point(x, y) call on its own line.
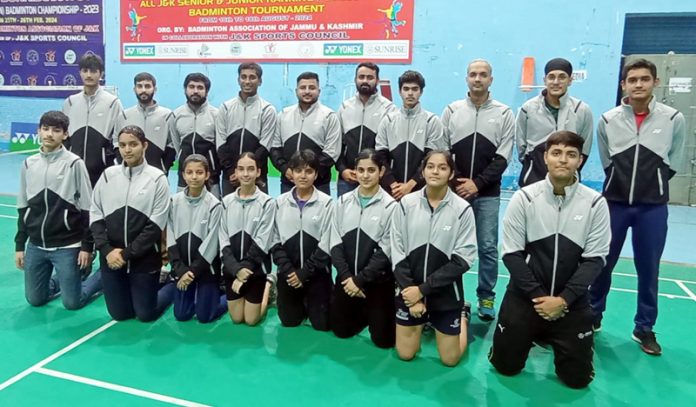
point(481, 140)
point(53, 202)
point(554, 245)
point(242, 127)
point(639, 163)
point(129, 210)
point(194, 133)
point(316, 129)
point(405, 136)
point(92, 126)
point(246, 233)
point(360, 246)
point(302, 237)
point(535, 123)
point(158, 123)
point(192, 235)
point(359, 123)
point(432, 248)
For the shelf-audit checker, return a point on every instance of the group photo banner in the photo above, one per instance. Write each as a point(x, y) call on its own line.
point(41, 43)
point(267, 30)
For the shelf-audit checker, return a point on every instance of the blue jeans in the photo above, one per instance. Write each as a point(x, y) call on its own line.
point(343, 187)
point(649, 235)
point(38, 267)
point(486, 210)
point(204, 299)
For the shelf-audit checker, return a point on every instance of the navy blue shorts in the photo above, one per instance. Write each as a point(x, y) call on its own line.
point(447, 322)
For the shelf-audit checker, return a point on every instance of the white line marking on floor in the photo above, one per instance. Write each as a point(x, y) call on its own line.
point(119, 388)
point(686, 290)
point(56, 355)
point(628, 290)
point(8, 217)
point(674, 280)
point(8, 206)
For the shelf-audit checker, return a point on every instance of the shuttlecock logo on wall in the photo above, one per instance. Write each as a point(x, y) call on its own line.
point(204, 50)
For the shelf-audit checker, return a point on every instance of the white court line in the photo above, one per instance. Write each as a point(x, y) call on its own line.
point(56, 355)
point(8, 217)
point(628, 290)
point(674, 280)
point(8, 206)
point(119, 388)
point(686, 290)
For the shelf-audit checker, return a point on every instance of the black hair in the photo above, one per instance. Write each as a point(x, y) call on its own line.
point(308, 75)
point(372, 155)
point(55, 118)
point(144, 76)
point(196, 158)
point(637, 64)
point(91, 62)
point(368, 65)
point(197, 77)
point(565, 138)
point(304, 158)
point(412, 77)
point(448, 159)
point(134, 131)
point(250, 65)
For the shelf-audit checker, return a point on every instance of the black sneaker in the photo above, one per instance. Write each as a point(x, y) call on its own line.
point(648, 342)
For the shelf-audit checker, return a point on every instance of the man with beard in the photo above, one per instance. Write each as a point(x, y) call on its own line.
point(307, 125)
point(155, 120)
point(553, 110)
point(246, 123)
point(359, 117)
point(194, 128)
point(480, 133)
point(92, 113)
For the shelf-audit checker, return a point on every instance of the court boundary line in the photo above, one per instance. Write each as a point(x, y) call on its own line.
point(118, 388)
point(686, 290)
point(691, 297)
point(14, 379)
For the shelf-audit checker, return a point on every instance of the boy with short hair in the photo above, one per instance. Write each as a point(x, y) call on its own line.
point(53, 204)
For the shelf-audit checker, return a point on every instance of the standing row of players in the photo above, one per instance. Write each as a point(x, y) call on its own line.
point(477, 130)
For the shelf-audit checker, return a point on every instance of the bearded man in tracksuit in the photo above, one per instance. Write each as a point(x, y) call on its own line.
point(480, 134)
point(359, 117)
point(194, 129)
point(641, 145)
point(553, 110)
point(156, 121)
point(307, 125)
point(555, 238)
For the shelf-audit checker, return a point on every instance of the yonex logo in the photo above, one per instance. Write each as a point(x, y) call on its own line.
point(374, 218)
point(315, 218)
point(447, 228)
point(502, 328)
point(401, 314)
point(204, 221)
point(657, 131)
point(577, 217)
point(256, 219)
point(491, 120)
